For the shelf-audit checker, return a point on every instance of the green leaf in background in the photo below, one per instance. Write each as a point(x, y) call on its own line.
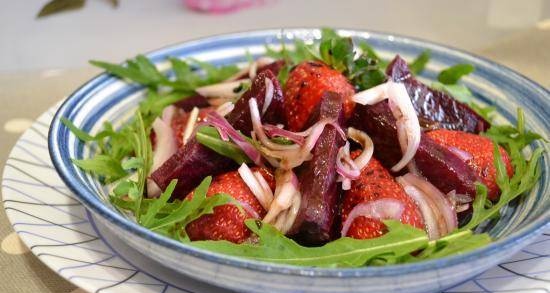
point(401, 240)
point(419, 63)
point(56, 6)
point(453, 74)
point(457, 91)
point(210, 138)
point(366, 73)
point(369, 52)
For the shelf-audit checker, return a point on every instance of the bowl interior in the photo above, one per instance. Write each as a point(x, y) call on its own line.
point(106, 98)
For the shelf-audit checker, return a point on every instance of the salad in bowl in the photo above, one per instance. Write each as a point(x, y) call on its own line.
point(315, 155)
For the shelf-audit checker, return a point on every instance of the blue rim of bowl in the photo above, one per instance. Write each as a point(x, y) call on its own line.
point(92, 202)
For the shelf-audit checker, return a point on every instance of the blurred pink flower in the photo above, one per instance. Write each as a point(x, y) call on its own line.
point(220, 6)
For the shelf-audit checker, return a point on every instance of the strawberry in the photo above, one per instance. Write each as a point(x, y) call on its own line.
point(227, 222)
point(375, 182)
point(306, 84)
point(481, 150)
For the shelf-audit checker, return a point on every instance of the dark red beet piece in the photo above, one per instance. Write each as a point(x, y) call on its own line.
point(443, 168)
point(317, 177)
point(240, 116)
point(194, 161)
point(189, 103)
point(435, 109)
point(190, 165)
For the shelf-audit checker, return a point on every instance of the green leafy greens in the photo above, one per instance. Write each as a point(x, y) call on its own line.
point(124, 157)
point(526, 171)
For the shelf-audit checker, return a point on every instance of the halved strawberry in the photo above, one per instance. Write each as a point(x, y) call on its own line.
point(374, 183)
point(480, 149)
point(306, 84)
point(227, 222)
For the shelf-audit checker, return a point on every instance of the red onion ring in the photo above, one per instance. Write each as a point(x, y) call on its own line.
point(439, 214)
point(248, 208)
point(265, 197)
point(269, 90)
point(381, 209)
point(224, 127)
point(274, 131)
point(408, 127)
point(165, 145)
point(286, 188)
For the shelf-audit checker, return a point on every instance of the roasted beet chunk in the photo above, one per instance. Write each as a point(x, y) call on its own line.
point(190, 165)
point(435, 109)
point(194, 161)
point(317, 177)
point(443, 168)
point(240, 116)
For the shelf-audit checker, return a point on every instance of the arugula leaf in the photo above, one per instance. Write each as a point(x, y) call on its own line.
point(484, 111)
point(158, 204)
point(367, 73)
point(369, 52)
point(338, 53)
point(133, 163)
point(526, 171)
point(273, 246)
point(457, 91)
point(139, 70)
point(453, 74)
point(419, 63)
point(455, 243)
point(142, 149)
point(210, 138)
point(192, 208)
point(102, 165)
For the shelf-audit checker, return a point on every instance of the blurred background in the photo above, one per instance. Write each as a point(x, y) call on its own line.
point(43, 59)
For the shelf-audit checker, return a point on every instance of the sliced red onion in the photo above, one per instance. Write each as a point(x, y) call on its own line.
point(346, 167)
point(286, 156)
point(249, 209)
point(223, 126)
point(165, 145)
point(286, 219)
point(190, 126)
point(259, 129)
point(426, 207)
point(382, 209)
point(408, 127)
point(366, 143)
point(269, 90)
point(225, 108)
point(286, 188)
point(256, 187)
point(266, 188)
point(463, 155)
point(275, 131)
point(221, 90)
point(441, 213)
